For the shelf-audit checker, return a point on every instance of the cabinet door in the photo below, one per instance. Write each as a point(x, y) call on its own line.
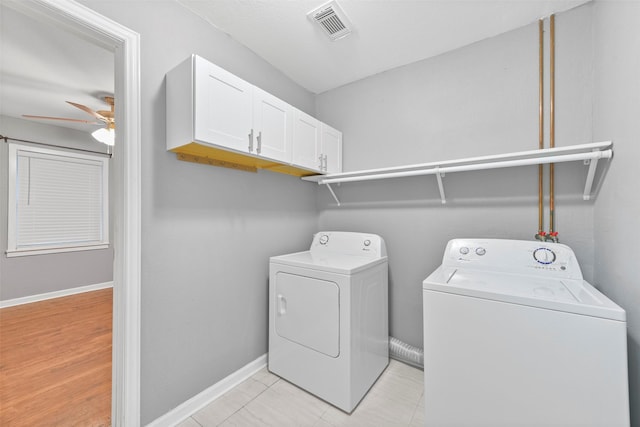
point(272, 126)
point(222, 107)
point(306, 141)
point(331, 149)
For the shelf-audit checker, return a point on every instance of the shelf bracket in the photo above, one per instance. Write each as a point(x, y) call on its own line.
point(439, 176)
point(593, 163)
point(333, 194)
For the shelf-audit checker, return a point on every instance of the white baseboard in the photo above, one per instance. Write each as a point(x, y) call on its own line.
point(199, 401)
point(55, 294)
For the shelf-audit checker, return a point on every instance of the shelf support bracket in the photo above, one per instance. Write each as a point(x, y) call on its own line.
point(593, 163)
point(333, 194)
point(439, 176)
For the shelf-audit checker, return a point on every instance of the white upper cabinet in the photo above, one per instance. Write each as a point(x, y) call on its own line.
point(222, 107)
point(215, 117)
point(306, 141)
point(272, 126)
point(331, 149)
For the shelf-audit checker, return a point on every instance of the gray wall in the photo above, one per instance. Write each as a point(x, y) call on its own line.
point(207, 232)
point(616, 39)
point(37, 274)
point(478, 100)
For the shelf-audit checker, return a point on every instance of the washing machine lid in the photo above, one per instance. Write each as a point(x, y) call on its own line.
point(567, 295)
point(330, 262)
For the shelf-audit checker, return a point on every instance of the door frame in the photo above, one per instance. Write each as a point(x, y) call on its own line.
point(88, 24)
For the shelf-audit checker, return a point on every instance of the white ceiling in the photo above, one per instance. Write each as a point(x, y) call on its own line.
point(42, 66)
point(387, 33)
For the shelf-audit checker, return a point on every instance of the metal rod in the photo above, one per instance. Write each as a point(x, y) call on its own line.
point(552, 130)
point(7, 139)
point(540, 123)
point(605, 154)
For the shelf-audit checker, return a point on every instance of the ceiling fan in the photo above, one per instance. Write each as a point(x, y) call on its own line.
point(104, 117)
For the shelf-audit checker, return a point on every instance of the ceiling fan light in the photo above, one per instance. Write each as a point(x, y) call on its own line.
point(104, 135)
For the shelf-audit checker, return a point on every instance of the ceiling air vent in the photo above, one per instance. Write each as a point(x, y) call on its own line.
point(332, 20)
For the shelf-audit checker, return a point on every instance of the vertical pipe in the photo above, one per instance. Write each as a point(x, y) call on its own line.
point(552, 95)
point(540, 122)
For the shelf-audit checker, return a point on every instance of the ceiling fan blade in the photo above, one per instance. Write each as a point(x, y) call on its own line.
point(89, 111)
point(62, 119)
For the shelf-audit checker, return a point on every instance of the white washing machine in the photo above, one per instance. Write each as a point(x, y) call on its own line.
point(513, 336)
point(328, 316)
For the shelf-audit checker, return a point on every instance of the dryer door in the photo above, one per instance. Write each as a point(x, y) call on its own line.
point(308, 312)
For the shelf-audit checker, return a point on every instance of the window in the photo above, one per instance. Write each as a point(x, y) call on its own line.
point(58, 201)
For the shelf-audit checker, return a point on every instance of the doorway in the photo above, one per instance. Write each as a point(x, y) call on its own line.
point(125, 210)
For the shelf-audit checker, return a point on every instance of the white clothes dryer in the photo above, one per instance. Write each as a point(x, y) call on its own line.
point(328, 316)
point(513, 336)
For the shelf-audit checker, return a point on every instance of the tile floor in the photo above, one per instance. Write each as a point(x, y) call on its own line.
point(396, 399)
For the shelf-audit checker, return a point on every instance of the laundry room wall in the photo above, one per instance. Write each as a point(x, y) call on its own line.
point(478, 100)
point(616, 39)
point(28, 276)
point(207, 232)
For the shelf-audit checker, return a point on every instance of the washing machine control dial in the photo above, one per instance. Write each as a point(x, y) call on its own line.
point(367, 242)
point(481, 251)
point(544, 256)
point(464, 250)
point(324, 239)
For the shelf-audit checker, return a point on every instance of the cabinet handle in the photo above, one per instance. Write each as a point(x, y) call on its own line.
point(251, 141)
point(259, 138)
point(323, 162)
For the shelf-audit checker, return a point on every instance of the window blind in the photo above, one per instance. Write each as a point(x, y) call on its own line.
point(60, 200)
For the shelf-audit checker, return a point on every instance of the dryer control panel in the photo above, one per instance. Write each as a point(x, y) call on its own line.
point(348, 243)
point(513, 256)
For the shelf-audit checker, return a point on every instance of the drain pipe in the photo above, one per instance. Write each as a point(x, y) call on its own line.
point(553, 235)
point(541, 233)
point(406, 353)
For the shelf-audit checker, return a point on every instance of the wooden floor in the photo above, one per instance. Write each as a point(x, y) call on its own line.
point(55, 362)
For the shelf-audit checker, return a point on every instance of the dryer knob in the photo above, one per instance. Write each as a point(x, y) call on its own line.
point(464, 250)
point(544, 256)
point(367, 242)
point(324, 239)
point(481, 251)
